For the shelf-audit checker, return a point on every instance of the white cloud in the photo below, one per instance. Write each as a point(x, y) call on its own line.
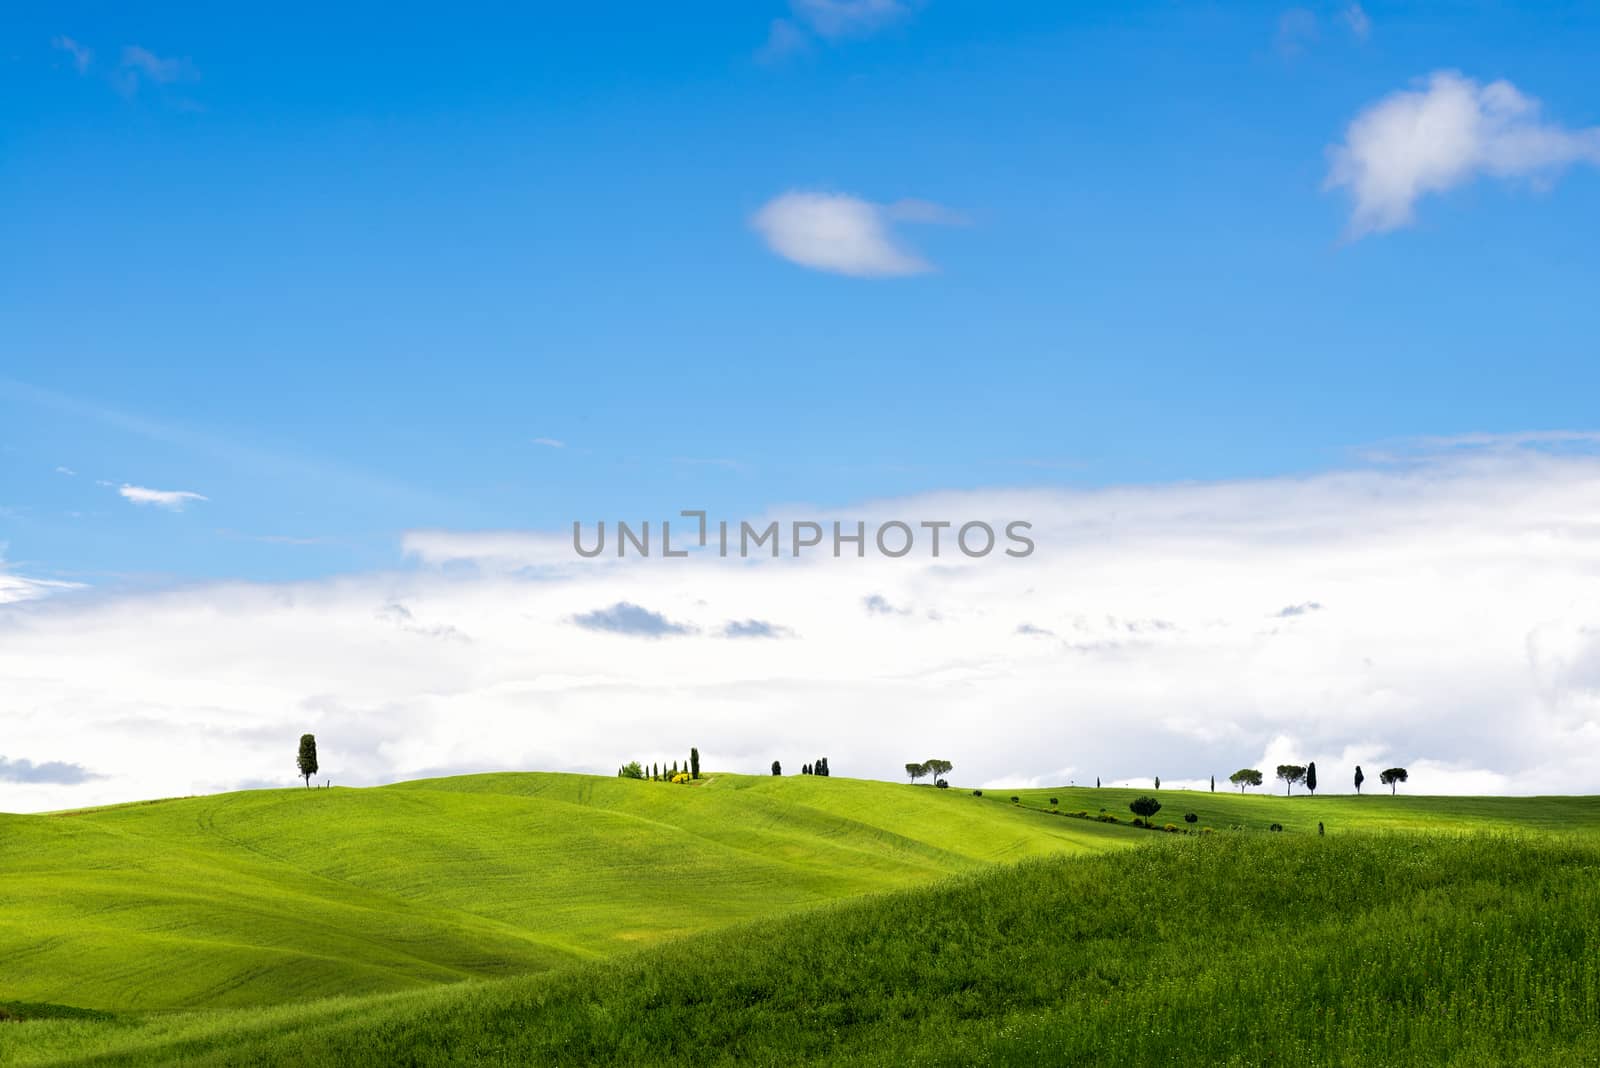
point(550, 443)
point(1442, 134)
point(173, 499)
point(845, 234)
point(81, 57)
point(69, 472)
point(1460, 638)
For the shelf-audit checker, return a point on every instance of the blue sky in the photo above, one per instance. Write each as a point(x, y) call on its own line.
point(320, 325)
point(336, 269)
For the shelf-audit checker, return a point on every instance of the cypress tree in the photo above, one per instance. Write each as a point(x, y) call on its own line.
point(694, 763)
point(307, 760)
point(1311, 776)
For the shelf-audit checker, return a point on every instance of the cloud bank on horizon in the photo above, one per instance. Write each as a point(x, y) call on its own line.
point(1434, 614)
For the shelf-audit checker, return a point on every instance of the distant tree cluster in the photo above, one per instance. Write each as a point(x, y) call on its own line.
point(936, 768)
point(818, 768)
point(663, 772)
point(1289, 774)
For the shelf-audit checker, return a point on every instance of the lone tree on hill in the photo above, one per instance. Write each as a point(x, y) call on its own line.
point(1290, 774)
point(1360, 778)
point(1213, 784)
point(1158, 782)
point(1097, 782)
point(1245, 777)
point(916, 771)
point(694, 763)
point(1145, 806)
point(777, 768)
point(1392, 776)
point(1311, 776)
point(307, 760)
point(937, 768)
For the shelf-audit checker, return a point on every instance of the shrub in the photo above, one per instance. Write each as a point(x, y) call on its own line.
point(977, 793)
point(1053, 802)
point(1276, 827)
point(1144, 806)
point(1171, 828)
point(1015, 799)
point(1206, 830)
point(1138, 821)
point(943, 784)
point(1190, 817)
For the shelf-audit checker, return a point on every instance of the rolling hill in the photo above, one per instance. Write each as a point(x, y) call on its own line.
point(548, 918)
point(1240, 949)
point(267, 896)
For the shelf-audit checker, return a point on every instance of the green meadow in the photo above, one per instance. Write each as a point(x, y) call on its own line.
point(560, 919)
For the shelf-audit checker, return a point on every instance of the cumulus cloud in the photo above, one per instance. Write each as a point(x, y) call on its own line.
point(1444, 133)
point(1463, 648)
point(627, 618)
point(843, 234)
point(173, 499)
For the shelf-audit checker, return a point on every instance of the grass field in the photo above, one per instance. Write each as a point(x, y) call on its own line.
point(1239, 949)
point(1372, 811)
point(568, 919)
point(268, 896)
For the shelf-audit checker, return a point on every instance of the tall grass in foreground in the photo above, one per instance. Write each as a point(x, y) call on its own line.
point(1232, 949)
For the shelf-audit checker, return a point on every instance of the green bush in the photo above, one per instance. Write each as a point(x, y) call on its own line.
point(1144, 806)
point(1190, 817)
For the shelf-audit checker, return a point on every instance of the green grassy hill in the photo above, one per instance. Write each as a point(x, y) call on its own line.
point(538, 918)
point(1373, 811)
point(262, 897)
point(1242, 949)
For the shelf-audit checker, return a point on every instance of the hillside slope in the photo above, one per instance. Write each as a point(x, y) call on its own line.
point(1376, 810)
point(1246, 949)
point(269, 896)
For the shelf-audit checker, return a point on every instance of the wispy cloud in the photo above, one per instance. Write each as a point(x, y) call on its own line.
point(1444, 133)
point(141, 65)
point(828, 20)
point(625, 617)
point(69, 472)
point(843, 234)
point(754, 628)
point(82, 57)
point(53, 772)
point(173, 499)
point(1358, 21)
point(550, 443)
point(1297, 29)
point(878, 605)
point(1305, 608)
